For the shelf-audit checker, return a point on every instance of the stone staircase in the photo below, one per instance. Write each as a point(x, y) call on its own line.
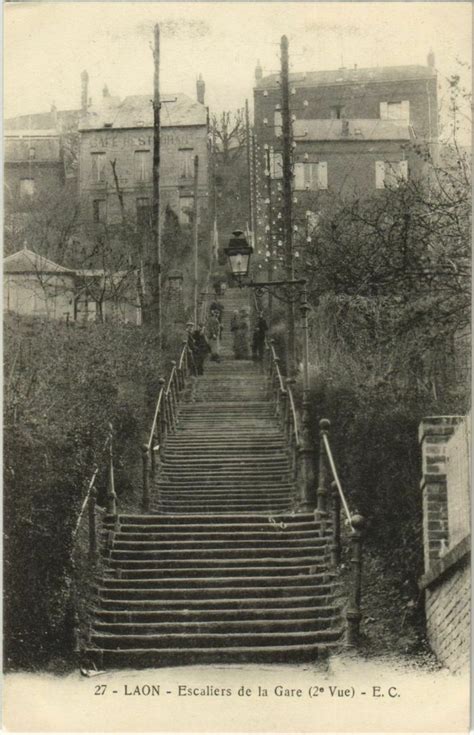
point(223, 569)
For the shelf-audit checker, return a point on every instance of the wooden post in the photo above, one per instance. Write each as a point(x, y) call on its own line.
point(287, 199)
point(323, 473)
point(146, 481)
point(353, 614)
point(336, 526)
point(111, 496)
point(196, 238)
point(308, 498)
point(155, 259)
point(92, 525)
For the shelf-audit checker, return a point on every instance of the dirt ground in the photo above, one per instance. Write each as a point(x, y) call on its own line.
point(347, 693)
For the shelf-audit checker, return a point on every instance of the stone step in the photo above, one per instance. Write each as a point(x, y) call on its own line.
point(182, 570)
point(216, 614)
point(148, 658)
point(180, 640)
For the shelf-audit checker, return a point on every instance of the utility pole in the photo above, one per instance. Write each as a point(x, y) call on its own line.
point(268, 172)
point(249, 166)
point(254, 186)
point(287, 200)
point(155, 255)
point(195, 237)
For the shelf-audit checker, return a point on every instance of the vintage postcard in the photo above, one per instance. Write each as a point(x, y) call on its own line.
point(236, 328)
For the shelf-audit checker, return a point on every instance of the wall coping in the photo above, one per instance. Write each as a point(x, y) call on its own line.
point(438, 426)
point(442, 567)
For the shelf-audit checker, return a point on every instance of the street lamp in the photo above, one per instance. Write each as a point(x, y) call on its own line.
point(292, 291)
point(238, 252)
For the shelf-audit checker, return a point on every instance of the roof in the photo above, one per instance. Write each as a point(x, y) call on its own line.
point(136, 111)
point(351, 76)
point(59, 119)
point(26, 261)
point(356, 130)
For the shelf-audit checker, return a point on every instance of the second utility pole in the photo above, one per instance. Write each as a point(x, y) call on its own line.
point(155, 255)
point(196, 238)
point(287, 201)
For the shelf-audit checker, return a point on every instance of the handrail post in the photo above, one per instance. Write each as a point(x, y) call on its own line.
point(146, 480)
point(336, 526)
point(353, 613)
point(308, 499)
point(92, 525)
point(111, 495)
point(323, 473)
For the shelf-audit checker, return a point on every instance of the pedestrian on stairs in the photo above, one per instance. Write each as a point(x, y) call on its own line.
point(214, 336)
point(201, 349)
point(258, 339)
point(242, 336)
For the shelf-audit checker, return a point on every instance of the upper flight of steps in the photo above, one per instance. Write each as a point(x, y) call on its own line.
point(223, 569)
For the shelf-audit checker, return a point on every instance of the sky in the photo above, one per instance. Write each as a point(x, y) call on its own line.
point(47, 45)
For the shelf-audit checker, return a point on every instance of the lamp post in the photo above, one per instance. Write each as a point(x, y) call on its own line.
point(290, 292)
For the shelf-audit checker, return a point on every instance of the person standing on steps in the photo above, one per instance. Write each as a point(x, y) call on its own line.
point(201, 349)
point(234, 328)
point(258, 339)
point(242, 339)
point(214, 335)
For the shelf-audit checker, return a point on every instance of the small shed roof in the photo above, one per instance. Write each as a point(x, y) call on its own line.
point(26, 261)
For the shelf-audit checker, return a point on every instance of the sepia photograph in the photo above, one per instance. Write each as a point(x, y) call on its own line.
point(237, 366)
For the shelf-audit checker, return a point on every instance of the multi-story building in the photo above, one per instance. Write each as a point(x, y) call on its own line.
point(34, 164)
point(116, 154)
point(354, 130)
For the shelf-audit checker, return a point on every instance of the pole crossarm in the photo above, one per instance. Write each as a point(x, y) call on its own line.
point(289, 292)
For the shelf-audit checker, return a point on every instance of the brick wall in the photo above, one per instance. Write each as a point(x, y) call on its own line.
point(446, 539)
point(458, 475)
point(448, 619)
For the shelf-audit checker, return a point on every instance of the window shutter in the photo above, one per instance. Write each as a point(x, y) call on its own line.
point(322, 175)
point(383, 111)
point(403, 170)
point(379, 174)
point(299, 176)
point(405, 110)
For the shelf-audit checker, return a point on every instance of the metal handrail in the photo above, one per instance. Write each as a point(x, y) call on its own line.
point(335, 475)
point(165, 418)
point(295, 419)
point(155, 418)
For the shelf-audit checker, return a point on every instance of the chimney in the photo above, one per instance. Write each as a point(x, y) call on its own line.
point(345, 128)
point(105, 91)
point(54, 116)
point(200, 90)
point(84, 90)
point(431, 59)
point(258, 72)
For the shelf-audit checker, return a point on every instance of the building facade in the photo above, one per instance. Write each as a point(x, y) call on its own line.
point(446, 582)
point(355, 131)
point(116, 155)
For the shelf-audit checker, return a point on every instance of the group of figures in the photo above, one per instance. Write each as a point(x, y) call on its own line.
point(240, 328)
point(205, 339)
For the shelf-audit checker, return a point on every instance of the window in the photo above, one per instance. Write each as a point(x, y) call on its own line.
point(186, 205)
point(32, 152)
point(142, 165)
point(337, 112)
point(390, 174)
point(98, 167)
point(27, 187)
point(276, 165)
point(395, 111)
point(311, 176)
point(277, 123)
point(98, 210)
point(143, 214)
point(186, 163)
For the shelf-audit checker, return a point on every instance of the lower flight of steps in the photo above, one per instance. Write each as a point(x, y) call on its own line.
point(206, 589)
